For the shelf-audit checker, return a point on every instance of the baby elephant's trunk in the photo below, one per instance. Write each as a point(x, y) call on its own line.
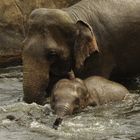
point(61, 111)
point(57, 123)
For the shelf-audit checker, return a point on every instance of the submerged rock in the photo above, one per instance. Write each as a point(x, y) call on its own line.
point(13, 16)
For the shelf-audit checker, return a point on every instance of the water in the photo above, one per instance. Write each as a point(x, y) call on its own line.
point(21, 121)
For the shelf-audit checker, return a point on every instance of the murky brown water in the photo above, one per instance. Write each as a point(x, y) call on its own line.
point(119, 121)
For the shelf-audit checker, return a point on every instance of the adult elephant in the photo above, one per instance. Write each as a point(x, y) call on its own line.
point(92, 37)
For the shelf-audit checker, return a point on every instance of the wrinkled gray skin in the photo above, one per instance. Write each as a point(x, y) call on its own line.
point(69, 96)
point(93, 37)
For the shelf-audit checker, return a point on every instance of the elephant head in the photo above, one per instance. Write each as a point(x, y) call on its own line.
point(53, 46)
point(68, 96)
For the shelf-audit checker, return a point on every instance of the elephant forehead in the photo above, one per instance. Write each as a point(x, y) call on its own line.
point(65, 94)
point(49, 16)
point(68, 90)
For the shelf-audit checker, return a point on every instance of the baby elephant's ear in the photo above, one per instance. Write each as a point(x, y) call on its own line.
point(85, 43)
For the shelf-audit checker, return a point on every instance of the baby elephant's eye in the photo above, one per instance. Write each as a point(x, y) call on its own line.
point(52, 55)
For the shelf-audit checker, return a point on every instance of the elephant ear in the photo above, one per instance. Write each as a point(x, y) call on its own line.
point(85, 43)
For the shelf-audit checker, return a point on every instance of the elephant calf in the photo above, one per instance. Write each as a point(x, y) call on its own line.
point(69, 96)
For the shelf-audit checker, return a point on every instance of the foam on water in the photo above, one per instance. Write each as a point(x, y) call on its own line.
point(18, 120)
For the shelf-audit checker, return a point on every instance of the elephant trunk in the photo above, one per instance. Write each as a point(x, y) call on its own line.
point(35, 81)
point(34, 90)
point(61, 112)
point(57, 122)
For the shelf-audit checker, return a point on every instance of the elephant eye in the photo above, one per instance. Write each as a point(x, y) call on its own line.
point(52, 55)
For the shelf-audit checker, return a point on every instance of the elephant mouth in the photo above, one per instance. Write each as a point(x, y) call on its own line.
point(61, 68)
point(57, 71)
point(54, 78)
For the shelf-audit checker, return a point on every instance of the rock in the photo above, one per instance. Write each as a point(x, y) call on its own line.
point(64, 3)
point(13, 16)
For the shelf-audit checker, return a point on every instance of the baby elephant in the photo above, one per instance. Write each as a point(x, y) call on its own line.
point(69, 96)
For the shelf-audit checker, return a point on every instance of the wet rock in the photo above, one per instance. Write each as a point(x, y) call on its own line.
point(64, 3)
point(13, 16)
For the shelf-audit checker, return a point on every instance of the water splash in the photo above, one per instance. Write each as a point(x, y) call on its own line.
point(118, 121)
